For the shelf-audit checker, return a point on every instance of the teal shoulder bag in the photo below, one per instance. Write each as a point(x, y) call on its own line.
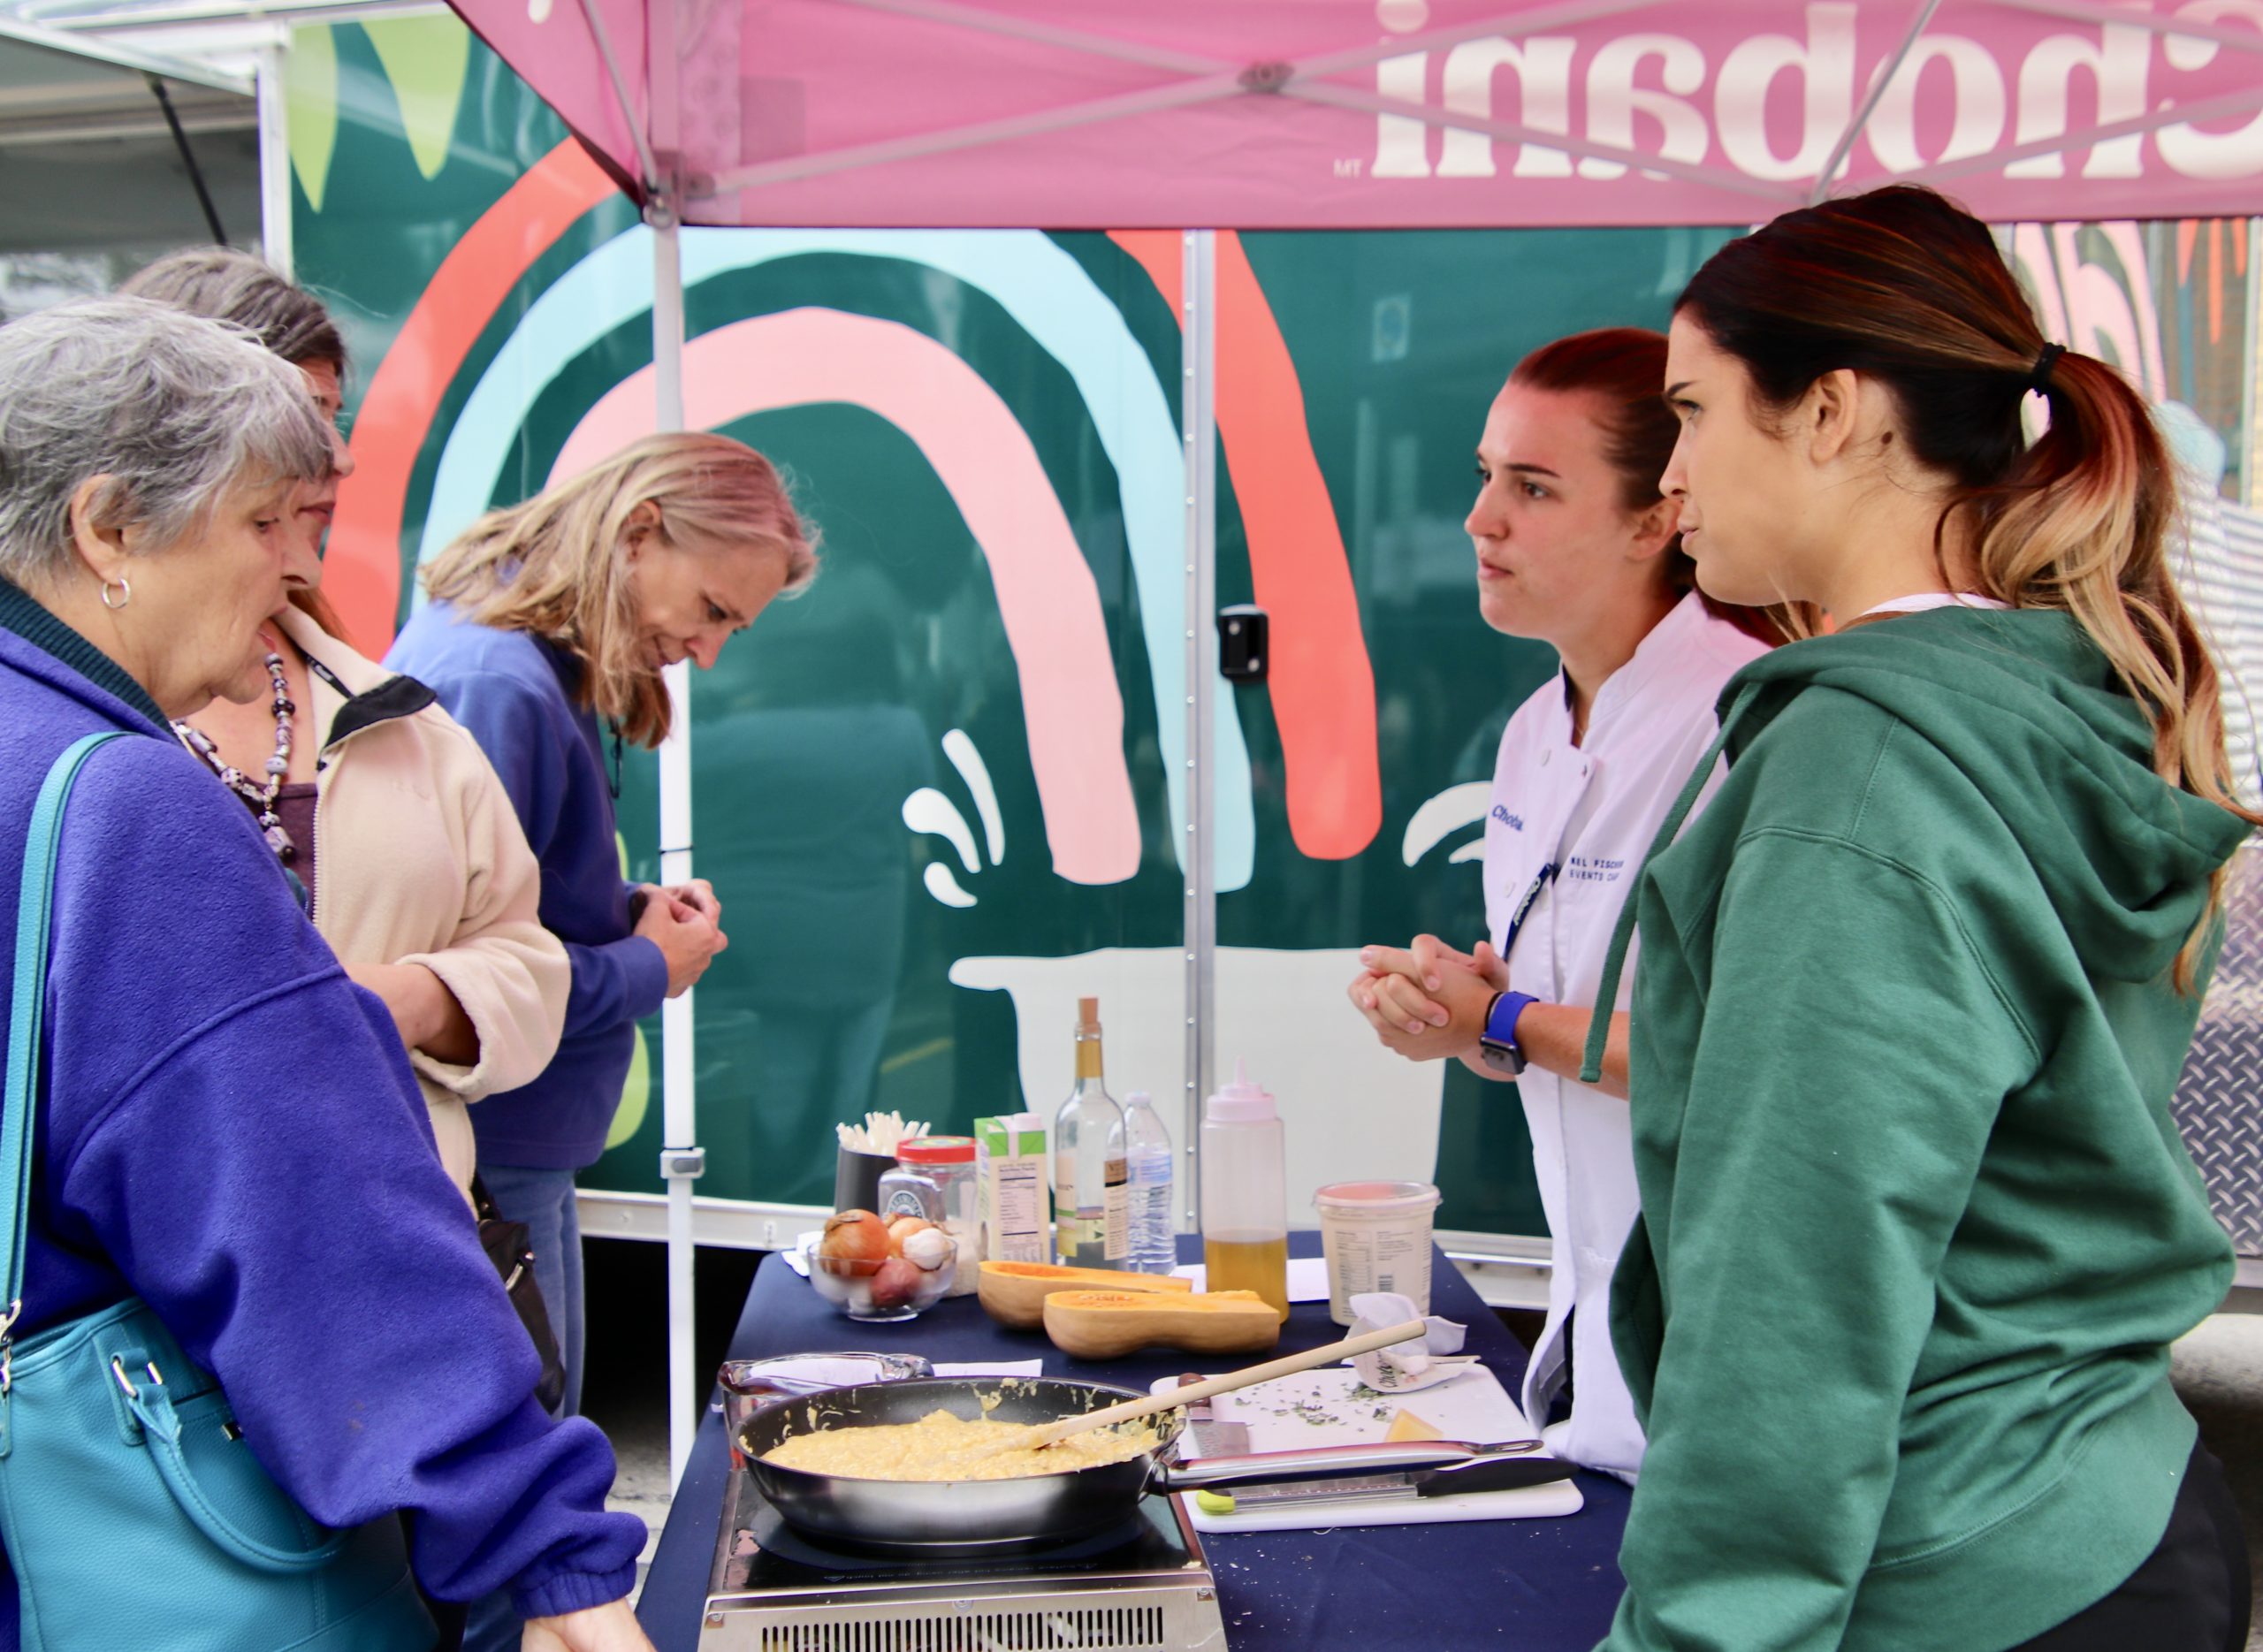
point(132, 1512)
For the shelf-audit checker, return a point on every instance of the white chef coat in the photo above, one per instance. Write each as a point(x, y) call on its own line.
point(1589, 812)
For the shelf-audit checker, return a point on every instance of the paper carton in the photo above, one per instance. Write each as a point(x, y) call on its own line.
point(1015, 1204)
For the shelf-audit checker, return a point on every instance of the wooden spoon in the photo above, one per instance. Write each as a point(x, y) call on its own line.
point(1042, 1435)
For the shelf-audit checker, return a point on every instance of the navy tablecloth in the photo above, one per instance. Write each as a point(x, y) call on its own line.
point(1537, 1585)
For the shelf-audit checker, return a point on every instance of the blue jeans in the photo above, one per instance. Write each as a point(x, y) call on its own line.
point(544, 1200)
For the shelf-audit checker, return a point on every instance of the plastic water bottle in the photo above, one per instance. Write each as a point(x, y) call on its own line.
point(1147, 1166)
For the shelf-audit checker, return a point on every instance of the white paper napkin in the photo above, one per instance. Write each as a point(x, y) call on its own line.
point(795, 1259)
point(1416, 1363)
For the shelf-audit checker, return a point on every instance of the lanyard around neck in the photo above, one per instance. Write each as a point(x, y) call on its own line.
point(1547, 875)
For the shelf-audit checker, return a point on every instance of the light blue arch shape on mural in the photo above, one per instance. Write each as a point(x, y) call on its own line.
point(1049, 295)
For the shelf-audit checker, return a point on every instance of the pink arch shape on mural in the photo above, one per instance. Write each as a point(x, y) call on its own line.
point(1071, 703)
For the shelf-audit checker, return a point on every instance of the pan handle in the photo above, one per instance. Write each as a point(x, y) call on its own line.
point(1263, 1468)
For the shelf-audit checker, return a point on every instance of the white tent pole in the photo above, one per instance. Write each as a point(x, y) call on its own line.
point(2239, 39)
point(1198, 856)
point(681, 1160)
point(275, 156)
point(604, 39)
point(1880, 81)
point(2067, 143)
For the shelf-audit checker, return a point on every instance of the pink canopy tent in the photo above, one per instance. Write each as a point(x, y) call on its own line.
point(1115, 114)
point(1328, 114)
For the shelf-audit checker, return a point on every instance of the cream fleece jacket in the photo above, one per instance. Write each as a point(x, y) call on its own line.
point(419, 859)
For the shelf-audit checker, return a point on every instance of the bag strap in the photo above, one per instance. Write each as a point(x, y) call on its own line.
point(150, 1401)
point(35, 908)
point(152, 1405)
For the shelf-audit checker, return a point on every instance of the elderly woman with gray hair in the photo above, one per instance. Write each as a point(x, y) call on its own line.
point(206, 1054)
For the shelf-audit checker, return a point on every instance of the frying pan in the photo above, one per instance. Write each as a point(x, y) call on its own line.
point(936, 1517)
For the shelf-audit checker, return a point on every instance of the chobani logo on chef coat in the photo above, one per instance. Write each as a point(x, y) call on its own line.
point(1515, 823)
point(1775, 106)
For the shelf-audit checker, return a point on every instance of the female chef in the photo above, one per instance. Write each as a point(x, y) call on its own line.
point(1575, 548)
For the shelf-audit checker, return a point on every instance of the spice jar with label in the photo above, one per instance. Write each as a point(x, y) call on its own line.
point(934, 1177)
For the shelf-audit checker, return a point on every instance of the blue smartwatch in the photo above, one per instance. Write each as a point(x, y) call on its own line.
point(1498, 1043)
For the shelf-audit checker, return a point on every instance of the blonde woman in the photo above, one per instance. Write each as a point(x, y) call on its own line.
point(431, 909)
point(549, 626)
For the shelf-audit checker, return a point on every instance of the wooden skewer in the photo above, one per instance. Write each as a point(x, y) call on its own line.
point(1288, 1365)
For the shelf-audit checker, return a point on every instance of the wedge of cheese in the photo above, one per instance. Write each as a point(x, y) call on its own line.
point(1407, 1426)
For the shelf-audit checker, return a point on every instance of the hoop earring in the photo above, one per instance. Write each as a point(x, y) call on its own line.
point(124, 599)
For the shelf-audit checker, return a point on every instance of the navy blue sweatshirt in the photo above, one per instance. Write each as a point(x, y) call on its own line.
point(514, 692)
point(229, 1130)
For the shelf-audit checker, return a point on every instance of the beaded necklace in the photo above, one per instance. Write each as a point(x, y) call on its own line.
point(261, 798)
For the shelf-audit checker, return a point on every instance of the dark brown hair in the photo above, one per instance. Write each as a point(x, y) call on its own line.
point(1623, 370)
point(1906, 287)
point(230, 285)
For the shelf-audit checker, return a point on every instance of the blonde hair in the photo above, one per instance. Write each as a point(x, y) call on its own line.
point(557, 566)
point(1904, 285)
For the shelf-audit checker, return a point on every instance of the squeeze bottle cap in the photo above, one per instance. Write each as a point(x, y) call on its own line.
point(1138, 1095)
point(1240, 1102)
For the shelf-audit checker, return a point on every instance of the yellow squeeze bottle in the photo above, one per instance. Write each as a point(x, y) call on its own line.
point(1245, 1200)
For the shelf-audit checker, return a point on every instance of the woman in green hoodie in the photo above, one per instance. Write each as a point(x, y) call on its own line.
point(1917, 1230)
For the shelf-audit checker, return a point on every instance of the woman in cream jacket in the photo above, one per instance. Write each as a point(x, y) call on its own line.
point(421, 865)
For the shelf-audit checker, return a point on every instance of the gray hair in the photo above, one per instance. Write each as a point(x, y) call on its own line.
point(172, 408)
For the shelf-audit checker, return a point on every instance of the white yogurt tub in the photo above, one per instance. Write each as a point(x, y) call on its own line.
point(1376, 1237)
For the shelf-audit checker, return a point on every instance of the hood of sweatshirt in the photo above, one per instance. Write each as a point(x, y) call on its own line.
point(2030, 710)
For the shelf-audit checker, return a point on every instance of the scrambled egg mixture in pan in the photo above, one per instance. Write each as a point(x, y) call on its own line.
point(941, 1447)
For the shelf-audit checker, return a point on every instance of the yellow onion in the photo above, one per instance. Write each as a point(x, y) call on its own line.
point(854, 1235)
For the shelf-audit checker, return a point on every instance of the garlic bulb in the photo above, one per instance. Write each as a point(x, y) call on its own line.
point(929, 1248)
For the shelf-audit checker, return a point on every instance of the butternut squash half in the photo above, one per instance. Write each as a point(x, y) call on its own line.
point(1014, 1293)
point(1105, 1324)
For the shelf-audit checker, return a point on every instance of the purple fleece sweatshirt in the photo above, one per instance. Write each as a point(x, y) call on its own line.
point(229, 1130)
point(514, 693)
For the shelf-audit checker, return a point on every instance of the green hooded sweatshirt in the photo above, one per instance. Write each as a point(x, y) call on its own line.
point(1917, 1226)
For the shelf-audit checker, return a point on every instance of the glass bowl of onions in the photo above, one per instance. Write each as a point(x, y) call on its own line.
point(876, 1271)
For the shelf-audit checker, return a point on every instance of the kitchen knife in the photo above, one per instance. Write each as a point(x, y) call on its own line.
point(1487, 1473)
point(1213, 1436)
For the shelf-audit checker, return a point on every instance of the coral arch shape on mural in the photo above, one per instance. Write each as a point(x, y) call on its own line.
point(1047, 597)
point(362, 568)
point(1322, 683)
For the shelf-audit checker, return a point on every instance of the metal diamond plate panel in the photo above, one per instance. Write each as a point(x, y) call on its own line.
point(2219, 1103)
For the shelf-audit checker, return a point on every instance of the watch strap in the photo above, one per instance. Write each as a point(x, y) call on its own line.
point(1501, 1018)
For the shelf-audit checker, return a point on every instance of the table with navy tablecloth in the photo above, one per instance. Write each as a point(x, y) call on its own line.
point(1532, 1585)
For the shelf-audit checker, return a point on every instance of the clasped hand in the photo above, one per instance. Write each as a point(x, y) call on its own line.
point(684, 920)
point(1427, 1001)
